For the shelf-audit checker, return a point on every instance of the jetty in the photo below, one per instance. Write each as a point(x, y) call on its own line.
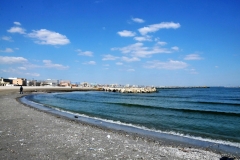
point(130, 89)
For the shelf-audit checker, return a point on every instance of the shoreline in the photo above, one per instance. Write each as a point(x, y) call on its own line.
point(167, 138)
point(110, 143)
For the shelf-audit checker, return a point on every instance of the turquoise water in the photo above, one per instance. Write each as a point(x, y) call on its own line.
point(204, 113)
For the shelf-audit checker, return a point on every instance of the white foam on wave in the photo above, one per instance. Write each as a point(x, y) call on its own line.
point(234, 144)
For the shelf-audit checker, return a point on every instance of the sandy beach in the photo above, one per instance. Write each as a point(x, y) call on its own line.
point(27, 133)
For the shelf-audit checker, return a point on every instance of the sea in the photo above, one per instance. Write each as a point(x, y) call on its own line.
point(207, 114)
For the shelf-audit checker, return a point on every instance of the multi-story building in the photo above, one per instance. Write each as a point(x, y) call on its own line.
point(19, 81)
point(65, 83)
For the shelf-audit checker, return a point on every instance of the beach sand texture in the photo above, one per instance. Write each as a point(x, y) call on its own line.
point(26, 133)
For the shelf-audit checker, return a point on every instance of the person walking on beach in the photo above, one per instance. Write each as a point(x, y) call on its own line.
point(21, 90)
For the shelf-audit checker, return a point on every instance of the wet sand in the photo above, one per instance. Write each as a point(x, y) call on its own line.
point(27, 133)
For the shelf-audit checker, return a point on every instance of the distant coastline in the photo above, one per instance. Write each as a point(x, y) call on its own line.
point(47, 88)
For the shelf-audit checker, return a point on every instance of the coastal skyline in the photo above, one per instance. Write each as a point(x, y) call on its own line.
point(173, 43)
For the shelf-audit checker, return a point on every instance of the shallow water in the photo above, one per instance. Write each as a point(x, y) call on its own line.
point(204, 113)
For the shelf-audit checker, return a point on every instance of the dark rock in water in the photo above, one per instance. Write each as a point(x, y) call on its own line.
point(75, 116)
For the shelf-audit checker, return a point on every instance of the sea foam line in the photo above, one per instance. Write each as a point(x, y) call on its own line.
point(234, 144)
point(220, 142)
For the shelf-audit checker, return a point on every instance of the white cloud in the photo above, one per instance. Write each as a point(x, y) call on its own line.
point(7, 50)
point(19, 72)
point(143, 38)
point(156, 27)
point(170, 65)
point(33, 74)
point(49, 64)
point(109, 57)
point(119, 63)
point(11, 60)
point(161, 43)
point(84, 53)
point(138, 50)
point(131, 70)
point(17, 23)
point(193, 71)
point(193, 57)
point(133, 59)
point(22, 68)
point(138, 20)
point(10, 70)
point(16, 30)
point(29, 65)
point(46, 64)
point(90, 63)
point(126, 33)
point(47, 37)
point(6, 38)
point(175, 48)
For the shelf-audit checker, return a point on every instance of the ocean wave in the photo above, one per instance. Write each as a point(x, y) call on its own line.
point(186, 110)
point(177, 109)
point(216, 141)
point(217, 103)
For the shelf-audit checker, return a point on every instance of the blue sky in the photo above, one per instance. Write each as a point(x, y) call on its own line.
point(142, 42)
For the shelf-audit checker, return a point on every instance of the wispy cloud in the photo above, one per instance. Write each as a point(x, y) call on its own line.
point(193, 57)
point(175, 48)
point(33, 74)
point(138, 20)
point(109, 57)
point(156, 27)
point(90, 63)
point(131, 70)
point(161, 43)
point(12, 60)
point(138, 50)
point(22, 68)
point(84, 53)
point(7, 50)
point(193, 71)
point(7, 38)
point(16, 30)
point(9, 70)
point(127, 59)
point(143, 38)
point(17, 23)
point(49, 64)
point(19, 71)
point(126, 33)
point(47, 37)
point(119, 63)
point(170, 65)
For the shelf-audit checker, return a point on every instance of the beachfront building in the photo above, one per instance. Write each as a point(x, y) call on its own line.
point(19, 81)
point(50, 82)
point(85, 84)
point(5, 82)
point(32, 83)
point(74, 84)
point(65, 83)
